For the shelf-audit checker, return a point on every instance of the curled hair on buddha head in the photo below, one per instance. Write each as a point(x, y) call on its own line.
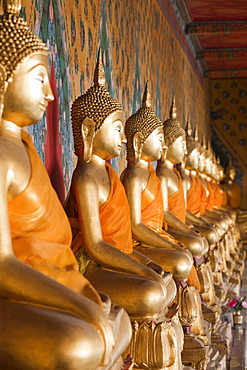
point(172, 127)
point(191, 143)
point(17, 41)
point(95, 105)
point(144, 121)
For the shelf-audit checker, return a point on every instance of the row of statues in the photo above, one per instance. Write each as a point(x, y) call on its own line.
point(136, 267)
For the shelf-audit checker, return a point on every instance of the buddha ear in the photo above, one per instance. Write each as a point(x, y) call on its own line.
point(138, 142)
point(3, 87)
point(88, 134)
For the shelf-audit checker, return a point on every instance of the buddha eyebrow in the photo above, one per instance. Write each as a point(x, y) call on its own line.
point(37, 65)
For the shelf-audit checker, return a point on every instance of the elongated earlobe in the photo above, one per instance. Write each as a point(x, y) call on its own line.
point(3, 87)
point(138, 142)
point(88, 134)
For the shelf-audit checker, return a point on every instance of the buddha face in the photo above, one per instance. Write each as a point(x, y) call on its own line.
point(230, 173)
point(176, 152)
point(213, 170)
point(109, 139)
point(153, 146)
point(192, 160)
point(208, 166)
point(29, 92)
point(201, 162)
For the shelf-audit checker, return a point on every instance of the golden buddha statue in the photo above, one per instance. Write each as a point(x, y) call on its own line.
point(145, 141)
point(194, 191)
point(102, 241)
point(174, 199)
point(232, 189)
point(41, 291)
point(172, 187)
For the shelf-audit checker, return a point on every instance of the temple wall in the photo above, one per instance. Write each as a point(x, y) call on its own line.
point(140, 40)
point(228, 99)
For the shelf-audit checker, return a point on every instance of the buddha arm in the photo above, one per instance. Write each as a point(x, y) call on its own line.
point(193, 219)
point(133, 188)
point(86, 195)
point(19, 282)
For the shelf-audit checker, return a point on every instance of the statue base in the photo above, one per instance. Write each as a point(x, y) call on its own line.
point(156, 346)
point(195, 353)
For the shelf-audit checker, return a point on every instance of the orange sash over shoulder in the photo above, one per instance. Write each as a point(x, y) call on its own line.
point(152, 205)
point(218, 195)
point(210, 197)
point(40, 230)
point(203, 195)
point(153, 214)
point(115, 216)
point(194, 196)
point(176, 202)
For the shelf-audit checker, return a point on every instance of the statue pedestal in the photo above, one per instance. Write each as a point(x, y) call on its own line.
point(156, 346)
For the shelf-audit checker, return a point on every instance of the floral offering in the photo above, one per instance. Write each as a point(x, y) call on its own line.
point(237, 304)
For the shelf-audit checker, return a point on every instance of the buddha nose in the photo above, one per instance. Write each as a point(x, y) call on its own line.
point(164, 143)
point(123, 138)
point(48, 92)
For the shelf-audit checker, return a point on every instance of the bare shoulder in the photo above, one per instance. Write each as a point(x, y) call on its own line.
point(84, 175)
point(134, 175)
point(5, 157)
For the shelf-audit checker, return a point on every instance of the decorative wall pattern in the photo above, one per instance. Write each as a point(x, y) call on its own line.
point(138, 44)
point(229, 123)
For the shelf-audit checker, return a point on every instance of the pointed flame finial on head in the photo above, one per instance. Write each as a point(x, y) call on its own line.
point(99, 73)
point(188, 127)
point(230, 162)
point(210, 149)
point(196, 133)
point(12, 6)
point(173, 111)
point(204, 145)
point(218, 160)
point(146, 100)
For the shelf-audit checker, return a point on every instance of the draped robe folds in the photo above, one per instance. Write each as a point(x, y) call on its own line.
point(210, 197)
point(196, 196)
point(40, 231)
point(114, 218)
point(153, 215)
point(218, 194)
point(176, 202)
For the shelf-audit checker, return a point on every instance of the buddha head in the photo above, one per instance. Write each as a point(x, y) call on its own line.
point(175, 137)
point(97, 120)
point(208, 159)
point(24, 84)
point(230, 171)
point(144, 133)
point(193, 148)
point(220, 171)
point(202, 155)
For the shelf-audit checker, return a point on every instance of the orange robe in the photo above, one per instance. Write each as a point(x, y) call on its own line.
point(203, 196)
point(176, 202)
point(40, 230)
point(210, 197)
point(194, 196)
point(152, 205)
point(153, 215)
point(218, 194)
point(114, 217)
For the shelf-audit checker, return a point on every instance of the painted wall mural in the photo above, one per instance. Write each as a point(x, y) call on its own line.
point(229, 124)
point(138, 44)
